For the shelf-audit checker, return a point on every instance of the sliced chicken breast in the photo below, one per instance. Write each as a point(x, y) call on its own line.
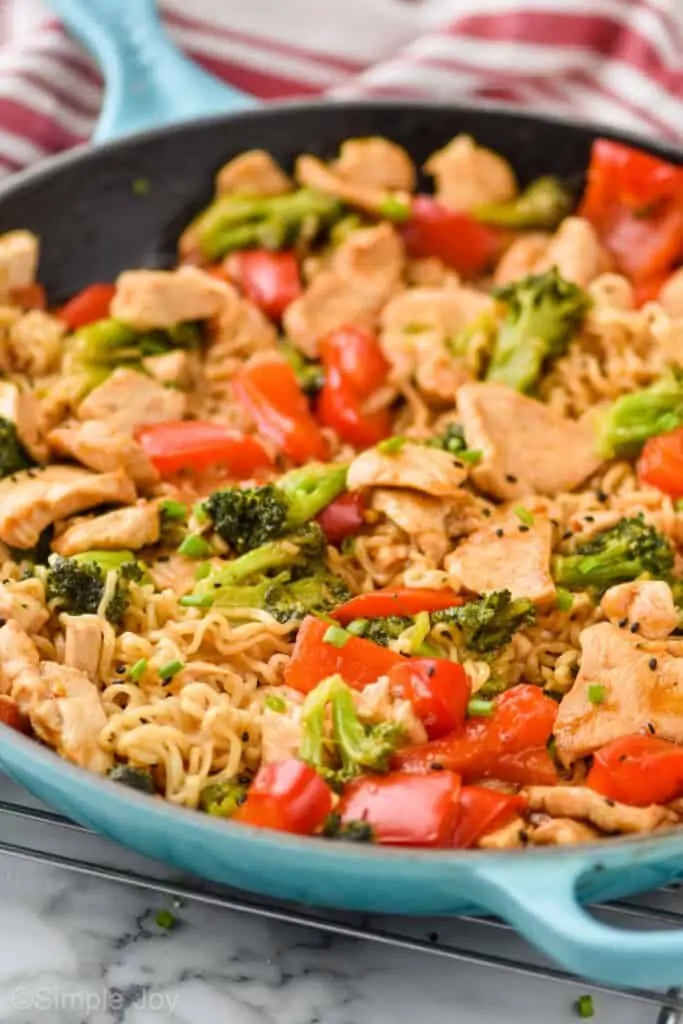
point(121, 530)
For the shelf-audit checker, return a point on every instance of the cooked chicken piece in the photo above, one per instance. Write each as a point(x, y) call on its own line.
point(521, 257)
point(19, 662)
point(147, 299)
point(520, 439)
point(127, 399)
point(19, 604)
point(83, 641)
point(72, 717)
point(671, 295)
point(22, 409)
point(239, 330)
point(562, 832)
point(121, 530)
point(363, 274)
point(467, 175)
point(253, 173)
point(416, 326)
point(34, 498)
point(505, 555)
point(313, 173)
point(642, 683)
point(612, 291)
point(281, 735)
point(422, 517)
point(414, 467)
point(35, 341)
point(430, 273)
point(583, 803)
point(375, 162)
point(175, 367)
point(576, 251)
point(18, 260)
point(510, 836)
point(98, 446)
point(650, 603)
point(375, 704)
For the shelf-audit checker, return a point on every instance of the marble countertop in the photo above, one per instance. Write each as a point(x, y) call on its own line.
point(76, 949)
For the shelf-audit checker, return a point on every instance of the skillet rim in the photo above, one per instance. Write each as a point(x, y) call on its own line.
point(668, 841)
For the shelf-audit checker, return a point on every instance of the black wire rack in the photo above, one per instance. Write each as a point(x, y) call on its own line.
point(31, 833)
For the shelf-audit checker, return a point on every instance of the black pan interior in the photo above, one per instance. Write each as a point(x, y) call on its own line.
point(123, 205)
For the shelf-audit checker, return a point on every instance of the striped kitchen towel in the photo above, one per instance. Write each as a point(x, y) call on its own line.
point(618, 62)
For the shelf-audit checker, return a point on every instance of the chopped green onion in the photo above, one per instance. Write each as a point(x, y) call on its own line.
point(200, 513)
point(415, 328)
point(597, 694)
point(173, 511)
point(336, 636)
point(478, 708)
point(394, 209)
point(140, 186)
point(194, 546)
point(524, 514)
point(276, 703)
point(137, 671)
point(170, 669)
point(357, 627)
point(165, 919)
point(391, 445)
point(564, 599)
point(418, 632)
point(471, 455)
point(196, 601)
point(584, 1007)
point(202, 571)
point(678, 504)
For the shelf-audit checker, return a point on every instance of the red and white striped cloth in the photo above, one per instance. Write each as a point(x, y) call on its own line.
point(619, 62)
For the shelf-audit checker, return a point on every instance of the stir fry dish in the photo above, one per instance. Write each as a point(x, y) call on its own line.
point(364, 521)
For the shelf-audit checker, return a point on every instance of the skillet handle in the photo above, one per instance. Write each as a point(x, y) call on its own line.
point(148, 81)
point(540, 901)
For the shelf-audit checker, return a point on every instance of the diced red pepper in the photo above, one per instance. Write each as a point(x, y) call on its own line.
point(270, 279)
point(270, 393)
point(482, 811)
point(340, 408)
point(343, 517)
point(439, 691)
point(288, 796)
point(88, 306)
point(404, 810)
point(405, 601)
point(355, 368)
point(197, 445)
point(638, 770)
point(455, 238)
point(649, 289)
point(357, 355)
point(313, 659)
point(635, 202)
point(661, 463)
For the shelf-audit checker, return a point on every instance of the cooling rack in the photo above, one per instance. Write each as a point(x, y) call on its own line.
point(32, 833)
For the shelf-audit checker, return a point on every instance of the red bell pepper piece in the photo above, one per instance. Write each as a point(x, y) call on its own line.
point(288, 796)
point(484, 810)
point(661, 463)
point(359, 661)
point(438, 690)
point(198, 445)
point(406, 601)
point(357, 356)
point(340, 408)
point(635, 202)
point(455, 238)
point(88, 306)
point(510, 745)
point(638, 770)
point(270, 393)
point(404, 810)
point(270, 279)
point(343, 517)
point(355, 367)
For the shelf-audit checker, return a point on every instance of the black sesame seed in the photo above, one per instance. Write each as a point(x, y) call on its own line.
point(609, 803)
point(436, 766)
point(589, 519)
point(245, 737)
point(486, 512)
point(121, 669)
point(652, 664)
point(523, 836)
point(523, 529)
point(651, 728)
point(499, 533)
point(635, 626)
point(433, 936)
point(555, 522)
point(567, 534)
point(431, 669)
point(623, 623)
point(510, 478)
point(601, 495)
point(458, 463)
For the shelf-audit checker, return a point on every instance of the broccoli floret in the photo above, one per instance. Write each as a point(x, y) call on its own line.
point(351, 748)
point(490, 622)
point(626, 425)
point(221, 799)
point(382, 631)
point(630, 549)
point(308, 372)
point(350, 831)
point(309, 595)
point(543, 204)
point(543, 311)
point(13, 455)
point(135, 778)
point(255, 222)
point(79, 582)
point(246, 518)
